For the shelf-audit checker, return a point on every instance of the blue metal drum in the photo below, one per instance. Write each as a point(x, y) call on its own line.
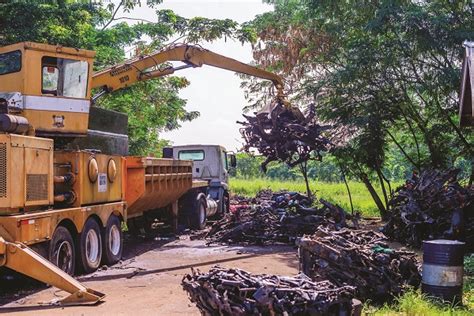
point(442, 275)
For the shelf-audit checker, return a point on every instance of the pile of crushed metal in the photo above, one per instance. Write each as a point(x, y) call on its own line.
point(237, 292)
point(272, 218)
point(431, 205)
point(359, 258)
point(340, 263)
point(285, 135)
point(339, 268)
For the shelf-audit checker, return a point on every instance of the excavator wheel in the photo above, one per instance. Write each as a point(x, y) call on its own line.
point(113, 241)
point(62, 252)
point(90, 246)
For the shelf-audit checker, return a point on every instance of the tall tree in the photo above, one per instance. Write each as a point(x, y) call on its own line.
point(388, 70)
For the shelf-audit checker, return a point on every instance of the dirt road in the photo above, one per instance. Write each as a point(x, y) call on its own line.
point(147, 281)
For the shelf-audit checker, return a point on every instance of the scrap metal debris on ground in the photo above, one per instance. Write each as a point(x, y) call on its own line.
point(274, 218)
point(360, 258)
point(429, 206)
point(237, 292)
point(281, 135)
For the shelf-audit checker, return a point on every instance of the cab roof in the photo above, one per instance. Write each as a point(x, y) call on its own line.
point(192, 146)
point(48, 48)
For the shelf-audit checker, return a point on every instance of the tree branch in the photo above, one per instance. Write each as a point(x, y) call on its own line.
point(113, 16)
point(133, 19)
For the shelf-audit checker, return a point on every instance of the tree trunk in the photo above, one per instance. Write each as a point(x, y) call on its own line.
point(347, 188)
point(383, 212)
point(304, 171)
point(382, 185)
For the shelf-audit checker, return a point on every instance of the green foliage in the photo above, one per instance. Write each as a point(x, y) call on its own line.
point(249, 167)
point(197, 29)
point(396, 168)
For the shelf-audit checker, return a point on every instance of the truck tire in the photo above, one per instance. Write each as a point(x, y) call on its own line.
point(90, 246)
point(113, 241)
point(61, 250)
point(198, 216)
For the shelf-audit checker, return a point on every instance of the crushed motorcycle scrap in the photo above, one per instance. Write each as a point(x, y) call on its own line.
point(378, 272)
point(286, 136)
point(272, 218)
point(236, 292)
point(431, 205)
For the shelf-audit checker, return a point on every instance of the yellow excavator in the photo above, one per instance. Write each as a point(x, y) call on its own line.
point(68, 205)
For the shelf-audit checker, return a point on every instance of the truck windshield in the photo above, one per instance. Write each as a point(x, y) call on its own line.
point(64, 77)
point(191, 155)
point(10, 62)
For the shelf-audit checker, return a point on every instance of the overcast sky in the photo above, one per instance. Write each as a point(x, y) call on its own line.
point(214, 92)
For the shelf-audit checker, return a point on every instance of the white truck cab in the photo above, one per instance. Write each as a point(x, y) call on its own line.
point(211, 164)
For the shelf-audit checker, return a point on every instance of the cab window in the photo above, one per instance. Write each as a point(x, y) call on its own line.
point(196, 155)
point(224, 160)
point(10, 62)
point(64, 77)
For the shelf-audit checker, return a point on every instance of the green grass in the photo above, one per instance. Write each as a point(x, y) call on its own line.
point(415, 303)
point(333, 192)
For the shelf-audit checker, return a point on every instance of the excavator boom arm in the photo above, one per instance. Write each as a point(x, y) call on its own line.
point(147, 67)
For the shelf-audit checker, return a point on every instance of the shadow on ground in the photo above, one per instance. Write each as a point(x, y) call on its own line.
point(15, 287)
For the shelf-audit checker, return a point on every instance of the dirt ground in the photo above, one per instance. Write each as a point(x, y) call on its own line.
point(148, 280)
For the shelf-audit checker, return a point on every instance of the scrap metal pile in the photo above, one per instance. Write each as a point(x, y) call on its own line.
point(237, 292)
point(429, 206)
point(360, 258)
point(285, 135)
point(274, 218)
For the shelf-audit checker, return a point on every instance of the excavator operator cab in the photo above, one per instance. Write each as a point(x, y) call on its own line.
point(45, 89)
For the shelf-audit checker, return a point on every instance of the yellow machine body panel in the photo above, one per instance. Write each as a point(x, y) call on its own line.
point(26, 173)
point(49, 122)
point(35, 227)
point(52, 86)
point(28, 79)
point(98, 176)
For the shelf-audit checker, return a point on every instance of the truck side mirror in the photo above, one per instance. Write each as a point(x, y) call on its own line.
point(233, 161)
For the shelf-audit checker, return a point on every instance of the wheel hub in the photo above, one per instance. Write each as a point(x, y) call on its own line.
point(114, 240)
point(92, 246)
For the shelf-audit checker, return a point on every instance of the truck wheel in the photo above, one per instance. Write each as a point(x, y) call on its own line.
point(61, 250)
point(113, 241)
point(198, 212)
point(90, 246)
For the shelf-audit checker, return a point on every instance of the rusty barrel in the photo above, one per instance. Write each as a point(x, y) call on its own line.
point(443, 269)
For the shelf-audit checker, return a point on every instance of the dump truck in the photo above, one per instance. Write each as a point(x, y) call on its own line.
point(66, 187)
point(211, 165)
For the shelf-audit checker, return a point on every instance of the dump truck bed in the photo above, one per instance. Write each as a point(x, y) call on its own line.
point(154, 183)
